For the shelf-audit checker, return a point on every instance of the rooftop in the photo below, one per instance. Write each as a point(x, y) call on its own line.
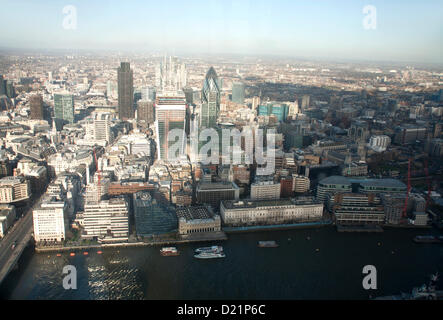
point(242, 204)
point(389, 183)
point(217, 185)
point(193, 213)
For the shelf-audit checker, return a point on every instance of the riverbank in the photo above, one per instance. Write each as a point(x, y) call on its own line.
point(205, 237)
point(221, 236)
point(366, 228)
point(405, 226)
point(301, 225)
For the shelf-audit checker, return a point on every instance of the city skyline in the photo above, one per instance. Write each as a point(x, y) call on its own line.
point(297, 145)
point(405, 31)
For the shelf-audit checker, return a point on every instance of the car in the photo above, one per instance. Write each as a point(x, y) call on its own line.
point(14, 245)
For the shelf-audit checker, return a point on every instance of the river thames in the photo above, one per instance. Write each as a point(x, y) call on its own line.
point(309, 264)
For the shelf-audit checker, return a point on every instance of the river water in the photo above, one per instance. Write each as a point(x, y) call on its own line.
point(294, 270)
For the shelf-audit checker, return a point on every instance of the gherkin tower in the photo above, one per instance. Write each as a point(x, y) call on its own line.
point(210, 100)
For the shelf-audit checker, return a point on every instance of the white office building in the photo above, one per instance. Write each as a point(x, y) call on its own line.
point(50, 220)
point(379, 143)
point(106, 220)
point(265, 190)
point(237, 213)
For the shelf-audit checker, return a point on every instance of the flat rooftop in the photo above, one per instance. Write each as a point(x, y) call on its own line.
point(194, 213)
point(207, 186)
point(244, 204)
point(389, 183)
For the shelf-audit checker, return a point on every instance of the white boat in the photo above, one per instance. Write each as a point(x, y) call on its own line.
point(214, 249)
point(169, 251)
point(210, 255)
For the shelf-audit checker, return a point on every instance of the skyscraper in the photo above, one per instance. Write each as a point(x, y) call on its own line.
point(125, 91)
point(238, 92)
point(2, 85)
point(10, 90)
point(145, 111)
point(210, 100)
point(36, 103)
point(64, 107)
point(102, 127)
point(170, 114)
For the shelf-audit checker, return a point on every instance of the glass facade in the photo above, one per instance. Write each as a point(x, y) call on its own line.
point(210, 100)
point(64, 107)
point(152, 218)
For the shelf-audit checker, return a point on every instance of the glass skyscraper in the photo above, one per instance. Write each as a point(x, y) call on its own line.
point(2, 86)
point(238, 92)
point(276, 109)
point(170, 113)
point(210, 100)
point(125, 91)
point(64, 107)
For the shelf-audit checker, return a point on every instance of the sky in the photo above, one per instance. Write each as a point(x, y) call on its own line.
point(406, 30)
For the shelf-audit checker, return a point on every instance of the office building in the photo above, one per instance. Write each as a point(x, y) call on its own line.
point(213, 193)
point(36, 102)
point(170, 115)
point(238, 92)
point(356, 208)
point(286, 187)
point(265, 190)
point(242, 213)
point(125, 92)
point(210, 100)
point(107, 220)
point(64, 108)
point(394, 204)
point(145, 112)
point(339, 184)
point(151, 217)
point(98, 129)
point(2, 85)
point(359, 131)
point(10, 90)
point(50, 220)
point(301, 184)
point(14, 189)
point(332, 185)
point(279, 110)
point(197, 219)
point(409, 134)
point(379, 143)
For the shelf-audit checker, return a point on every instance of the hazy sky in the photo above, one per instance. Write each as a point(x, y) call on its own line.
point(407, 30)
